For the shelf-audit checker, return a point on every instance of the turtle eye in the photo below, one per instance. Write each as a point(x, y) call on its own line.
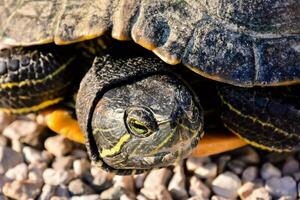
point(138, 128)
point(140, 121)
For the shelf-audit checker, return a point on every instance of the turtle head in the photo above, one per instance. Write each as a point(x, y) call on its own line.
point(146, 121)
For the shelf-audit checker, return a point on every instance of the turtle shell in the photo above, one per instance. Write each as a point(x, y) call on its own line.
point(240, 42)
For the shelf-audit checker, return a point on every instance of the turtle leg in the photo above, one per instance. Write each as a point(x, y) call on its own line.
point(267, 118)
point(62, 122)
point(34, 78)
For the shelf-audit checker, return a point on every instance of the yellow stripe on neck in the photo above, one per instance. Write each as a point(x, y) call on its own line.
point(34, 108)
point(37, 81)
point(115, 149)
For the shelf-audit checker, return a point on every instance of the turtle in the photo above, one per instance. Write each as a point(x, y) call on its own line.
point(136, 111)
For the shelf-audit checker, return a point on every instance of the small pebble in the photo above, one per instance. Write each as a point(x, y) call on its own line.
point(178, 183)
point(47, 192)
point(260, 193)
point(290, 167)
point(226, 185)
point(112, 193)
point(21, 190)
point(246, 190)
point(5, 120)
point(139, 180)
point(268, 171)
point(126, 182)
point(36, 171)
point(6, 161)
point(249, 155)
point(77, 187)
point(193, 163)
point(24, 131)
point(207, 170)
point(58, 145)
point(81, 166)
point(216, 197)
point(198, 188)
point(222, 162)
point(159, 193)
point(250, 174)
point(63, 163)
point(57, 177)
point(32, 155)
point(157, 178)
point(236, 166)
point(3, 141)
point(285, 186)
point(87, 197)
point(62, 191)
point(19, 172)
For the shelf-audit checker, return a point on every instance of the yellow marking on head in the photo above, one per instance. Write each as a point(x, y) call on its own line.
point(232, 108)
point(37, 81)
point(257, 144)
point(166, 140)
point(34, 108)
point(115, 149)
point(61, 122)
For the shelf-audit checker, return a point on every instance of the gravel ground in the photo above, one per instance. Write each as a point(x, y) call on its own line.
point(37, 164)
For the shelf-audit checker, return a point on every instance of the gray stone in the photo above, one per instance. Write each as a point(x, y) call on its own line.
point(139, 180)
point(6, 161)
point(19, 172)
point(58, 145)
point(79, 154)
point(285, 186)
point(5, 120)
point(47, 192)
point(260, 193)
point(236, 166)
point(177, 184)
point(77, 187)
point(290, 167)
point(296, 176)
point(57, 177)
point(249, 155)
point(250, 174)
point(198, 188)
point(21, 190)
point(63, 163)
point(81, 166)
point(157, 177)
point(226, 185)
point(62, 191)
point(86, 197)
point(207, 170)
point(245, 190)
point(24, 131)
point(193, 163)
point(222, 162)
point(268, 171)
point(159, 193)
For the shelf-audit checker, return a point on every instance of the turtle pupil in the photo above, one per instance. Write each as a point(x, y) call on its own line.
point(137, 127)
